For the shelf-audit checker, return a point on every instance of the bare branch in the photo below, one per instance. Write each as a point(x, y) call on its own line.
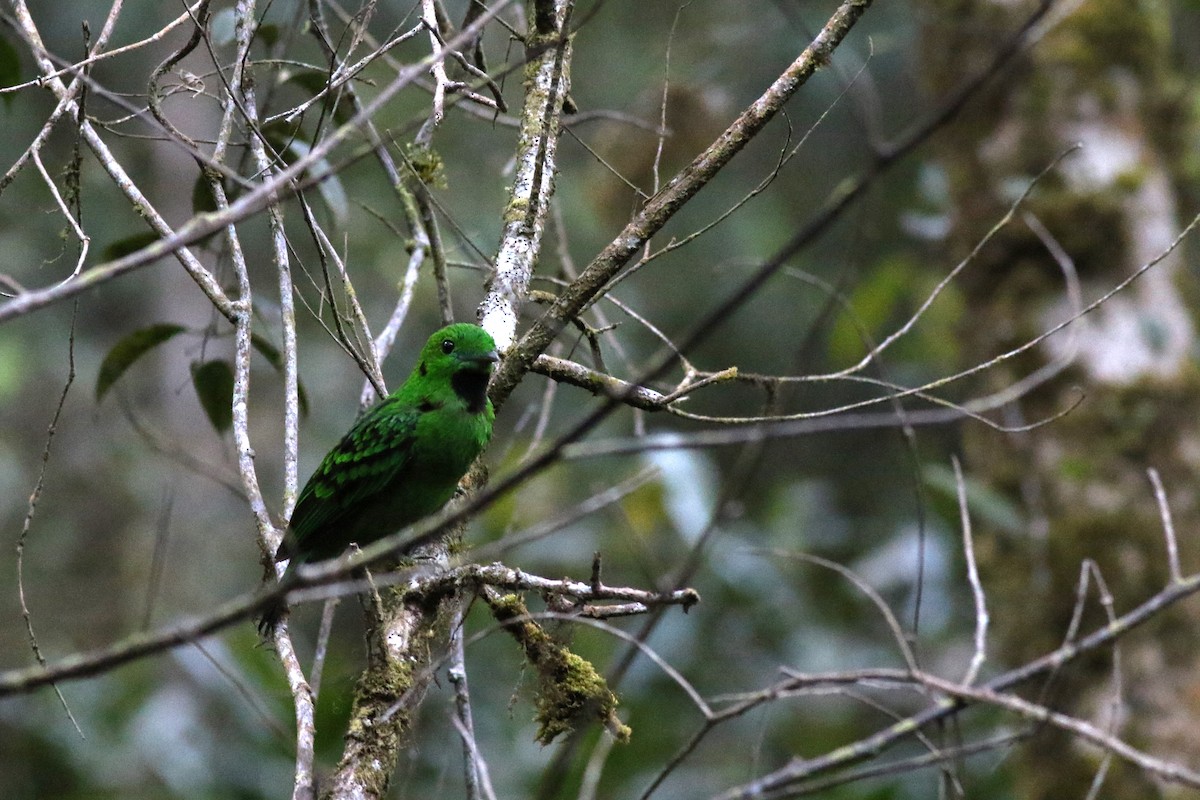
point(660, 208)
point(201, 225)
point(799, 769)
point(981, 612)
point(1164, 512)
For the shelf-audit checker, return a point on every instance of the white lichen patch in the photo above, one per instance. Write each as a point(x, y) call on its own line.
point(1146, 331)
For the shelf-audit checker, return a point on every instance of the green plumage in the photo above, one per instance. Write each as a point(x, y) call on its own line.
point(403, 459)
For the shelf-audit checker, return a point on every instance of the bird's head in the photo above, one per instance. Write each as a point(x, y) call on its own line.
point(463, 356)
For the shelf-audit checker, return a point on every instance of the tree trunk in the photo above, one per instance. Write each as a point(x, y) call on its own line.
point(1100, 76)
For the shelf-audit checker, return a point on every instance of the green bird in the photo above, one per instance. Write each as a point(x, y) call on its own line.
point(402, 460)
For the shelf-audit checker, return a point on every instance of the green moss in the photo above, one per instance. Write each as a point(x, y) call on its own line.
point(1103, 34)
point(378, 737)
point(570, 691)
point(428, 166)
point(516, 210)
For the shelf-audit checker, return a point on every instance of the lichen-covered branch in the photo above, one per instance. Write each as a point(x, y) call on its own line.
point(547, 80)
point(410, 632)
point(303, 696)
point(400, 647)
point(570, 691)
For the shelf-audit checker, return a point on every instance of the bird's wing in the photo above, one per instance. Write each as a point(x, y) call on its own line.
point(368, 459)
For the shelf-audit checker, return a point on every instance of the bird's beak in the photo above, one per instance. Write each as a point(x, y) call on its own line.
point(485, 360)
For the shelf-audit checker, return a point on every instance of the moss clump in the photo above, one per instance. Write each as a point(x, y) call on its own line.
point(426, 163)
point(570, 691)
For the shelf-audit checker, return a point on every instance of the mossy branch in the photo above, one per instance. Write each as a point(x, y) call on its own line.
point(570, 691)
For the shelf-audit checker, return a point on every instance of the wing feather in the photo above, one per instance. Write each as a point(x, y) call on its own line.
point(368, 461)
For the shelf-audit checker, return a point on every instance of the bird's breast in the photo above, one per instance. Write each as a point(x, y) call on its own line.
point(448, 440)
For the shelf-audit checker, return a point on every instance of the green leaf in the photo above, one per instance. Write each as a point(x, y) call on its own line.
point(271, 353)
point(130, 244)
point(267, 350)
point(984, 503)
point(10, 69)
point(214, 388)
point(129, 350)
point(268, 34)
point(203, 200)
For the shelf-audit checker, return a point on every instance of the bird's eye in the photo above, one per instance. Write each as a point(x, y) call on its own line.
point(447, 346)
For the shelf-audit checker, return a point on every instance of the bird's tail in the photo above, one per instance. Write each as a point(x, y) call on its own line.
point(276, 609)
point(273, 614)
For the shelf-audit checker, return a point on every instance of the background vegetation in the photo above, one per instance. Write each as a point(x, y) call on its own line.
point(936, 446)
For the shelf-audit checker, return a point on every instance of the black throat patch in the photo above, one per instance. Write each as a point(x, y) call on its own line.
point(471, 387)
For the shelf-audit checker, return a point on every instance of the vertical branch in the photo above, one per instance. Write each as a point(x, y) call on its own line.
point(547, 80)
point(474, 768)
point(242, 317)
point(394, 682)
point(34, 496)
point(287, 308)
point(381, 345)
point(429, 18)
point(422, 142)
point(400, 648)
point(981, 612)
point(1164, 512)
point(269, 538)
point(420, 246)
point(433, 236)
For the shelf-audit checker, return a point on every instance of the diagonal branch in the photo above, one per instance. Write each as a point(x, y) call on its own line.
point(583, 291)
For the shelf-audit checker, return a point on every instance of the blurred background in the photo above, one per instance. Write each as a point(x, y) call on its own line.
point(142, 521)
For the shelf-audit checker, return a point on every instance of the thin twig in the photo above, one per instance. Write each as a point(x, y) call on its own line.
point(322, 648)
point(85, 241)
point(880, 604)
point(34, 496)
point(302, 172)
point(474, 767)
point(981, 612)
point(584, 290)
point(1164, 513)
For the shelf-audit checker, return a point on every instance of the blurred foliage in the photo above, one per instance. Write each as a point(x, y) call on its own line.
point(130, 349)
point(130, 534)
